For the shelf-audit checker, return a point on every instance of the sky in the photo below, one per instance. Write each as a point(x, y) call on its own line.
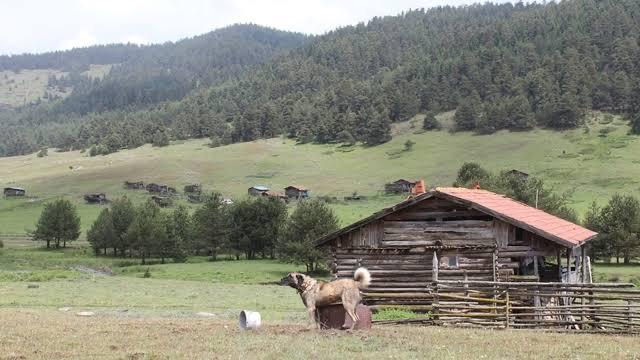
point(36, 26)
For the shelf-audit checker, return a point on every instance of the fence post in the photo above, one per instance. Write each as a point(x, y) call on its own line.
point(629, 318)
point(507, 310)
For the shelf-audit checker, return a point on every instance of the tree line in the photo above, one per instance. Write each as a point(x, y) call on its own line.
point(502, 66)
point(250, 228)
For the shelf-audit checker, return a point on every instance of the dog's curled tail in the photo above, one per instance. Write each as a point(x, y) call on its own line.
point(362, 277)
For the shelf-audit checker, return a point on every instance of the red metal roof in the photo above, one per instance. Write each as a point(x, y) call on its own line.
point(522, 215)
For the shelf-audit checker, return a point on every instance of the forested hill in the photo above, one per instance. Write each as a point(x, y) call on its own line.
point(502, 66)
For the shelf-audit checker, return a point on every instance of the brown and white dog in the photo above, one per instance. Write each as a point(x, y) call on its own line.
point(316, 293)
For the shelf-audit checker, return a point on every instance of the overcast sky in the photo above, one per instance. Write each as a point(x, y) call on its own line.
point(45, 25)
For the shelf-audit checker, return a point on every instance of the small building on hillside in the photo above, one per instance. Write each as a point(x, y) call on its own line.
point(296, 192)
point(519, 174)
point(160, 189)
point(257, 190)
point(399, 186)
point(97, 198)
point(134, 185)
point(14, 191)
point(459, 234)
point(193, 189)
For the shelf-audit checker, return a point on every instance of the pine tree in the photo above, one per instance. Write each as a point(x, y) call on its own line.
point(310, 220)
point(122, 215)
point(147, 232)
point(430, 122)
point(102, 234)
point(635, 124)
point(210, 226)
point(59, 223)
point(465, 117)
point(379, 130)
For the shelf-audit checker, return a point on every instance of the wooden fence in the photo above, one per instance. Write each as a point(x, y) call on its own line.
point(590, 307)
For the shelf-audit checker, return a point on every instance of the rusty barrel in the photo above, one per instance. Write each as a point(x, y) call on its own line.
point(335, 317)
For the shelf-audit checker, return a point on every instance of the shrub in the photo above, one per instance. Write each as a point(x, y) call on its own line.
point(430, 122)
point(43, 152)
point(1, 244)
point(147, 274)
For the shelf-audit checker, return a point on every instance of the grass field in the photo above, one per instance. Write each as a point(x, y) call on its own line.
point(590, 163)
point(190, 310)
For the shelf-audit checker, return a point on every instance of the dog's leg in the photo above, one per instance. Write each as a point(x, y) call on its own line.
point(311, 311)
point(350, 300)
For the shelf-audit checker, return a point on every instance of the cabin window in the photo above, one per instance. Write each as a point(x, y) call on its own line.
point(453, 261)
point(519, 235)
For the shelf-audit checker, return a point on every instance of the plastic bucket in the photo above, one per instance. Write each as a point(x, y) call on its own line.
point(250, 320)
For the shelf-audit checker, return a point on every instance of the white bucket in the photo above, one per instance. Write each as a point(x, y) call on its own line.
point(250, 320)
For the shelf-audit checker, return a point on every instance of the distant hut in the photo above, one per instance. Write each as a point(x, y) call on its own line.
point(193, 189)
point(257, 190)
point(162, 201)
point(97, 198)
point(399, 186)
point(134, 185)
point(518, 174)
point(296, 192)
point(14, 191)
point(160, 189)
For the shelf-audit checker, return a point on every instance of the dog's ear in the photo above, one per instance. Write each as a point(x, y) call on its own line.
point(300, 279)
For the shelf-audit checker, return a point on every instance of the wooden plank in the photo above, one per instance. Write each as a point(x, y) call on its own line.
point(424, 215)
point(483, 224)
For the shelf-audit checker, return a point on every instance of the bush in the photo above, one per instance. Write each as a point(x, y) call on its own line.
point(43, 152)
point(99, 150)
point(430, 122)
point(1, 244)
point(147, 274)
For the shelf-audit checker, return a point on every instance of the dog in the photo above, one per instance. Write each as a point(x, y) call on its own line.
point(316, 293)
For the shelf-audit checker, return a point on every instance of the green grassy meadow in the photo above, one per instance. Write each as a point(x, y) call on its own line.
point(589, 163)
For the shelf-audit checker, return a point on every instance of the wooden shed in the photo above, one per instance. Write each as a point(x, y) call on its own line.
point(296, 192)
point(160, 189)
point(14, 191)
point(399, 186)
point(458, 234)
point(97, 198)
point(134, 185)
point(257, 190)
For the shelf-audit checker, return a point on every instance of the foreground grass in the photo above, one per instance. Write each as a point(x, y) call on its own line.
point(37, 334)
point(590, 164)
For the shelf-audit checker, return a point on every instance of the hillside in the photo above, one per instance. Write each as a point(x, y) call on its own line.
point(506, 66)
point(591, 165)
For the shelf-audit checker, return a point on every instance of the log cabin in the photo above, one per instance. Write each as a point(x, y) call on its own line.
point(97, 198)
point(257, 190)
point(14, 191)
point(296, 192)
point(399, 186)
point(459, 234)
point(134, 185)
